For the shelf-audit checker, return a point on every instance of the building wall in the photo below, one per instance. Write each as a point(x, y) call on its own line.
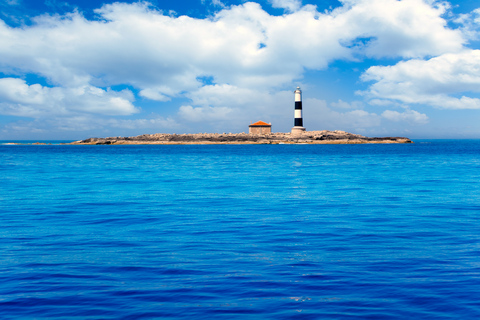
point(259, 129)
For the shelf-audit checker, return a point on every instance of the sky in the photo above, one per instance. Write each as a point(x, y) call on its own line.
point(72, 70)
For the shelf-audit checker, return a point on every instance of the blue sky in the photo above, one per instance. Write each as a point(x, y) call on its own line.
point(77, 69)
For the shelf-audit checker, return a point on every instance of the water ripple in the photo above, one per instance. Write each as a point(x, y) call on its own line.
point(235, 232)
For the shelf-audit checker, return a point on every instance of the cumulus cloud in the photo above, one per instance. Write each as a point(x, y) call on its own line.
point(248, 55)
point(289, 5)
point(470, 24)
point(407, 28)
point(20, 99)
point(347, 105)
point(241, 45)
point(75, 127)
point(434, 82)
point(218, 3)
point(205, 113)
point(152, 123)
point(383, 102)
point(233, 108)
point(408, 115)
point(318, 116)
point(155, 94)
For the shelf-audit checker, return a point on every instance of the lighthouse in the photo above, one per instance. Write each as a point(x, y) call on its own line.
point(298, 124)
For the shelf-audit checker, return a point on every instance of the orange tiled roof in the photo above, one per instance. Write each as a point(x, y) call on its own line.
point(260, 123)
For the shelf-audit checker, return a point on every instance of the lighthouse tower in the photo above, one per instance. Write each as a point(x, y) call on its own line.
point(298, 124)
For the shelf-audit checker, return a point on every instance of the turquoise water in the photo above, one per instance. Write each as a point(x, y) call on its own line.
point(241, 232)
point(30, 142)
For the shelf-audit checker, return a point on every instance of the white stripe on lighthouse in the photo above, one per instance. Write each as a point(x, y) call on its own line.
point(298, 113)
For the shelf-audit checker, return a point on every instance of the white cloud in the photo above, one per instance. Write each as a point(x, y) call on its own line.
point(241, 45)
point(408, 115)
point(233, 108)
point(434, 82)
point(218, 3)
point(361, 119)
point(224, 94)
point(470, 24)
point(152, 123)
point(12, 2)
point(289, 5)
point(407, 28)
point(317, 116)
point(384, 103)
point(85, 126)
point(17, 91)
point(20, 99)
point(204, 114)
point(248, 54)
point(346, 105)
point(156, 94)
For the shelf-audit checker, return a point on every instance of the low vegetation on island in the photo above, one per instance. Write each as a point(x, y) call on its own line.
point(307, 137)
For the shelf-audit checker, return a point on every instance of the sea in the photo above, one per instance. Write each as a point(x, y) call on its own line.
point(372, 231)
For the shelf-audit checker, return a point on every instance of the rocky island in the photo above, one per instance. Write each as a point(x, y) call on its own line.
point(307, 137)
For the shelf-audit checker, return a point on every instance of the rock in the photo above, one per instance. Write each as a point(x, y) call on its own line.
point(309, 137)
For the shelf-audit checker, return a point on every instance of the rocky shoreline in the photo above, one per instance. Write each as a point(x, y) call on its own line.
point(307, 137)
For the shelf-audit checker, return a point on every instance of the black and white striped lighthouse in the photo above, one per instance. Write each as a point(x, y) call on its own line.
point(298, 124)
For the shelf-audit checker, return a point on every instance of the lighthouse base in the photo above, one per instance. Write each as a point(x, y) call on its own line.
point(298, 130)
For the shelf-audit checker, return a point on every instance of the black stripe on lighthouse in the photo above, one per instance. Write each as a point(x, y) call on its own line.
point(298, 108)
point(298, 122)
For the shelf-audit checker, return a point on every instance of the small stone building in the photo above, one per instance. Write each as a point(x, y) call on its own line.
point(260, 127)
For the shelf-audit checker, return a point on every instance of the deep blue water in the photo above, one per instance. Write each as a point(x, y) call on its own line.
point(241, 231)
